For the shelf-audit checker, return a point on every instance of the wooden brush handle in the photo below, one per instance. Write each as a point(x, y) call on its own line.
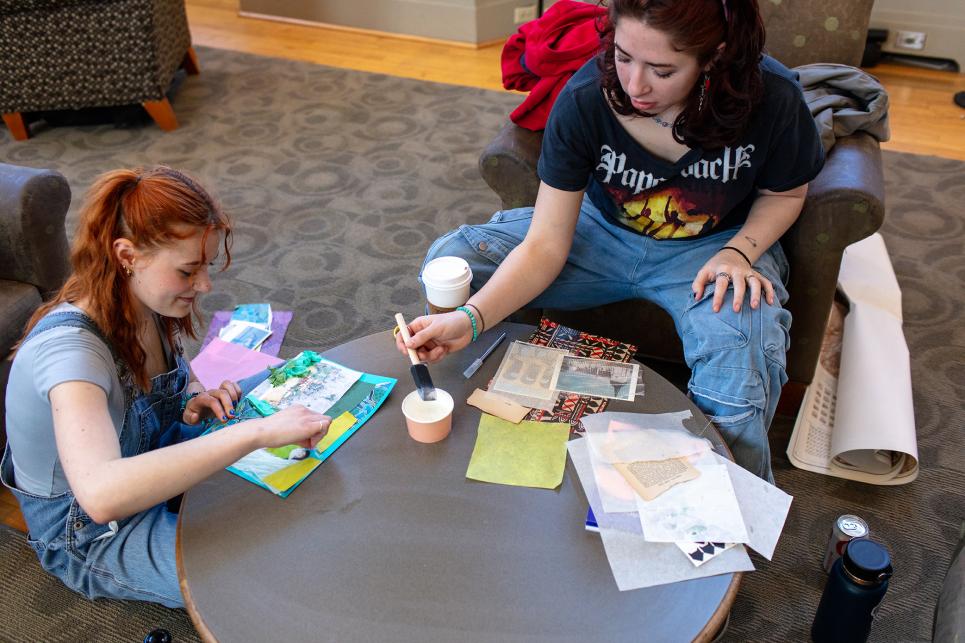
point(404, 331)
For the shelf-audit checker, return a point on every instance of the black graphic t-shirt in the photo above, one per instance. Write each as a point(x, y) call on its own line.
point(586, 147)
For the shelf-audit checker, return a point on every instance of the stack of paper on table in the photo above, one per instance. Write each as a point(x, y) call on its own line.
point(568, 406)
point(695, 528)
point(349, 397)
point(857, 419)
point(537, 376)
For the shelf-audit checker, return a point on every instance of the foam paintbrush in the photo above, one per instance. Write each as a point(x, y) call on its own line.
point(419, 370)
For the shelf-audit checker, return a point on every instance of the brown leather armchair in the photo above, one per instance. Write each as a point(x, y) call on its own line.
point(845, 203)
point(34, 254)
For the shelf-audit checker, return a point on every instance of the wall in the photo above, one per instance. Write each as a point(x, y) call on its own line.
point(468, 21)
point(943, 22)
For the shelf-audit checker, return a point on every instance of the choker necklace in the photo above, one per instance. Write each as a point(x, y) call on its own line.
point(659, 121)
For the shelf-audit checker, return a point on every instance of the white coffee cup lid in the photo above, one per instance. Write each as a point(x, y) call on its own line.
point(443, 272)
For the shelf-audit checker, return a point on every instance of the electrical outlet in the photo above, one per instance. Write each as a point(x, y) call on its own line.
point(524, 14)
point(910, 40)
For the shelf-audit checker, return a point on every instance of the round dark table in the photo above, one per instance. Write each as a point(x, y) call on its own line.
point(389, 541)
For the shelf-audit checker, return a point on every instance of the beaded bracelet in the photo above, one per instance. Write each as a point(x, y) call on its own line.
point(472, 320)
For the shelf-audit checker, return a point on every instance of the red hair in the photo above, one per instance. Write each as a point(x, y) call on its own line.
point(697, 27)
point(150, 207)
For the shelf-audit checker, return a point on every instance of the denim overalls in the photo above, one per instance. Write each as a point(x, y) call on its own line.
point(133, 558)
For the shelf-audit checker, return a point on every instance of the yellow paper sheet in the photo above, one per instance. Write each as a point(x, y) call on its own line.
point(283, 479)
point(339, 425)
point(528, 454)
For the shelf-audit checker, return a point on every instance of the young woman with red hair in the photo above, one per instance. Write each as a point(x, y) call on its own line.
point(100, 392)
point(671, 165)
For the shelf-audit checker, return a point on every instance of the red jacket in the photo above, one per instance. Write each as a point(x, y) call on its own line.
point(544, 53)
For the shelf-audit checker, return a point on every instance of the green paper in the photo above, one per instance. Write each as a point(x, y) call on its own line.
point(528, 454)
point(358, 392)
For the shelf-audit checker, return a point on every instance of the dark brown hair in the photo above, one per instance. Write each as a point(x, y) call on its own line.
point(151, 208)
point(697, 27)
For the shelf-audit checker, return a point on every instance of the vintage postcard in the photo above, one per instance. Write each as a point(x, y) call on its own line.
point(598, 377)
point(243, 334)
point(529, 370)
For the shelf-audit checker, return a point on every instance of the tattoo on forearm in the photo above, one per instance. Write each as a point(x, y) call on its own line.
point(751, 240)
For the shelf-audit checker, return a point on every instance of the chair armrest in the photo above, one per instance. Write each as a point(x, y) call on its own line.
point(508, 165)
point(845, 203)
point(33, 241)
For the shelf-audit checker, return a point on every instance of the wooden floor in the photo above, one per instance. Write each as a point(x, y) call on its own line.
point(924, 120)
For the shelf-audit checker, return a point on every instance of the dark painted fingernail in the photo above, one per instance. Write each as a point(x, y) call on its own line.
point(224, 417)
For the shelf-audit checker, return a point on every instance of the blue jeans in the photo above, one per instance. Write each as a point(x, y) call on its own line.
point(133, 558)
point(737, 360)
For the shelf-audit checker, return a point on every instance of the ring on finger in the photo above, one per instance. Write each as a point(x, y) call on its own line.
point(725, 275)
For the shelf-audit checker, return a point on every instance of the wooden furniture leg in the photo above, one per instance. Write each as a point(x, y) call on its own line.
point(162, 113)
point(190, 62)
point(18, 129)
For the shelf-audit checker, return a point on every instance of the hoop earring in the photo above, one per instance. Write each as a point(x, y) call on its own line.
point(703, 92)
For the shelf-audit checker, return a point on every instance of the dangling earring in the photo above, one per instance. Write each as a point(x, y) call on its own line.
point(703, 92)
point(129, 270)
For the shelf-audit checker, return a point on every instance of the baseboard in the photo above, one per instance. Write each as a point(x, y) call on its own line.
point(465, 23)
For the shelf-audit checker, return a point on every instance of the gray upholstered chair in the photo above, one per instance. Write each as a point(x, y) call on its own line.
point(72, 54)
point(845, 202)
point(34, 255)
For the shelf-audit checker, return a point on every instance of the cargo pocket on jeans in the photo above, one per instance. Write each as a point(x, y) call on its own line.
point(776, 336)
point(732, 394)
point(706, 332)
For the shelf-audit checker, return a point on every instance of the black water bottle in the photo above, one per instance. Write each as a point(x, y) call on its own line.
point(857, 583)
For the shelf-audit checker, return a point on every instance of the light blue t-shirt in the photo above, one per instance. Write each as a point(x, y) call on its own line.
point(64, 354)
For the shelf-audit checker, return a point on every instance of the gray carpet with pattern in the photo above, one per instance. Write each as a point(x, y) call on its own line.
point(338, 181)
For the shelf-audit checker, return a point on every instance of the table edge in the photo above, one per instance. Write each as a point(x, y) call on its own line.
point(706, 634)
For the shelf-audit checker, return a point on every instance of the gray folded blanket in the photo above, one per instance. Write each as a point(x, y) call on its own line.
point(843, 100)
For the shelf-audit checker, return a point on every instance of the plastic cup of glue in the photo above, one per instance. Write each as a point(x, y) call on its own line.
point(428, 420)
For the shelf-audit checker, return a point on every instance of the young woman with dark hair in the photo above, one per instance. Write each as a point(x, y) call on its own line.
point(100, 397)
point(671, 165)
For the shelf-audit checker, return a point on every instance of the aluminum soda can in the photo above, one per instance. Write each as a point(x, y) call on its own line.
point(845, 529)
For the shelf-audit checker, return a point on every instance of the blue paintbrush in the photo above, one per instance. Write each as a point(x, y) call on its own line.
point(420, 372)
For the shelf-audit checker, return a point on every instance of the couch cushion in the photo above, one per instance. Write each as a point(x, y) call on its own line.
point(17, 301)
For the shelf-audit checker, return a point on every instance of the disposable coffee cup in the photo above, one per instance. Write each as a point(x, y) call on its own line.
point(447, 283)
point(428, 420)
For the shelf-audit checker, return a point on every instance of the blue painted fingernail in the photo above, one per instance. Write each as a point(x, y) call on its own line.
point(224, 417)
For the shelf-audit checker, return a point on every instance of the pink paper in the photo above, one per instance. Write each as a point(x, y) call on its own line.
point(220, 360)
